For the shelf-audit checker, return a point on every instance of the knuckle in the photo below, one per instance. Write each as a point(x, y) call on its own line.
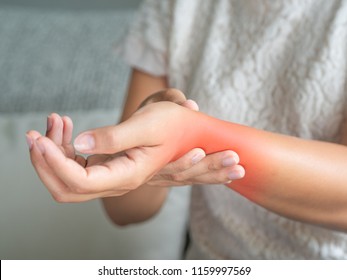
point(174, 177)
point(79, 189)
point(174, 167)
point(178, 177)
point(174, 95)
point(184, 165)
point(212, 166)
point(165, 177)
point(111, 136)
point(60, 197)
point(169, 94)
point(173, 92)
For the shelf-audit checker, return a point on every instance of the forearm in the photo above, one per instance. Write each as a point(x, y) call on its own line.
point(300, 179)
point(146, 201)
point(135, 206)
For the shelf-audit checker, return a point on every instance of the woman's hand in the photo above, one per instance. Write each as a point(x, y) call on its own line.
point(138, 149)
point(56, 149)
point(195, 167)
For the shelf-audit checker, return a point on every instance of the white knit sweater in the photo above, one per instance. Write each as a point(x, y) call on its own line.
point(275, 65)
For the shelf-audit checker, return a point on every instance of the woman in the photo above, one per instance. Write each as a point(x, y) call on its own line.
point(278, 67)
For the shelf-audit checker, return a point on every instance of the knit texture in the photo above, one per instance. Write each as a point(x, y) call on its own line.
point(274, 65)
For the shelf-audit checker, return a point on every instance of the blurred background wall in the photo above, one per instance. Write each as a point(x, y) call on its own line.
point(75, 4)
point(59, 56)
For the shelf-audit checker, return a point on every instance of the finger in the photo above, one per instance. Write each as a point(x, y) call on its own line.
point(98, 159)
point(67, 130)
point(212, 168)
point(170, 94)
point(191, 104)
point(210, 163)
point(81, 160)
point(185, 162)
point(69, 150)
point(121, 174)
point(33, 134)
point(53, 184)
point(222, 176)
point(55, 128)
point(59, 191)
point(153, 125)
point(114, 139)
point(166, 181)
point(55, 160)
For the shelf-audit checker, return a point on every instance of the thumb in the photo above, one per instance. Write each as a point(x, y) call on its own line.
point(112, 139)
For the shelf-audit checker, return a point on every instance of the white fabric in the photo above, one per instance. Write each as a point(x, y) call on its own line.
point(274, 65)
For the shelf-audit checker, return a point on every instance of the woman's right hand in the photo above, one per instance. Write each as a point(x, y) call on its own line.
point(132, 159)
point(195, 167)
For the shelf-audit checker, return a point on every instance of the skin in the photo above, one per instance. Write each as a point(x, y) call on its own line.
point(300, 179)
point(127, 203)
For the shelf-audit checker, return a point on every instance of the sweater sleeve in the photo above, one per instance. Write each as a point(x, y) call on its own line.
point(145, 45)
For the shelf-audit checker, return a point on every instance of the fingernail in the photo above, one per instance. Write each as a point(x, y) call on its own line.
point(29, 141)
point(84, 142)
point(49, 123)
point(235, 174)
point(196, 158)
point(229, 161)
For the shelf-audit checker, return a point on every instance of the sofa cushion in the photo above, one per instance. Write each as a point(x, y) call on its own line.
point(52, 60)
